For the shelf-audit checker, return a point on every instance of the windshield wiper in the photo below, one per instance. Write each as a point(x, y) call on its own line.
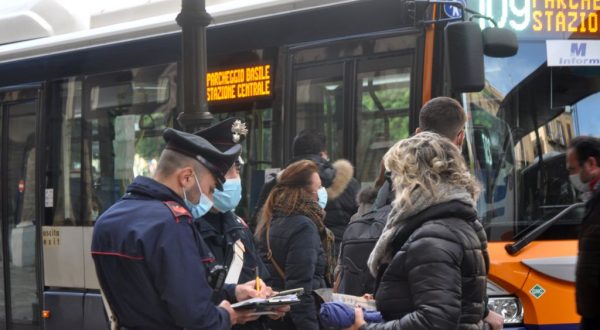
point(517, 246)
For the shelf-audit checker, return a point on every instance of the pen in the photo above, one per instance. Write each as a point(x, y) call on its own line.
point(257, 281)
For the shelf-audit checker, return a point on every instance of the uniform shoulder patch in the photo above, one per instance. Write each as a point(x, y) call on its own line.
point(178, 211)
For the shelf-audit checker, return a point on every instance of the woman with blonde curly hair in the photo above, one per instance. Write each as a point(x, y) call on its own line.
point(431, 260)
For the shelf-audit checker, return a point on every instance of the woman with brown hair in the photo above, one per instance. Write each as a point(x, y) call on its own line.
point(295, 245)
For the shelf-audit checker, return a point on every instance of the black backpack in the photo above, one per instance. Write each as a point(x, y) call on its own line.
point(358, 242)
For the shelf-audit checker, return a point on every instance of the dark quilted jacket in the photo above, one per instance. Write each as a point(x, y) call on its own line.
point(437, 279)
point(297, 249)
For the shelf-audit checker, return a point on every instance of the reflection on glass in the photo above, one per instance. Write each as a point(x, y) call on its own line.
point(123, 138)
point(383, 101)
point(20, 174)
point(320, 105)
point(518, 135)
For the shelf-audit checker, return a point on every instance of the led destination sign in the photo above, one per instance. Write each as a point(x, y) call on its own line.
point(537, 17)
point(239, 83)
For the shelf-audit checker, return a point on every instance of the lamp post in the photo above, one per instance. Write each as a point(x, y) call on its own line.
point(193, 20)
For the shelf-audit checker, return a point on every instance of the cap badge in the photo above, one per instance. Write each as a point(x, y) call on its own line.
point(238, 128)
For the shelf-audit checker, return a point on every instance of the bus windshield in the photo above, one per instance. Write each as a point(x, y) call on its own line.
point(519, 128)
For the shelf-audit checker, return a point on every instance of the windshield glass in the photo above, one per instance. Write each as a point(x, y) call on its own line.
point(519, 128)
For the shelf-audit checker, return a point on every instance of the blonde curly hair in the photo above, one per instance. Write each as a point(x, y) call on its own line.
point(427, 161)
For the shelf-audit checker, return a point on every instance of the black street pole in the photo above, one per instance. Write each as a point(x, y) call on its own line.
point(193, 20)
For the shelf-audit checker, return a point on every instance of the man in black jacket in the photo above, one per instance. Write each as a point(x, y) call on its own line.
point(337, 177)
point(583, 163)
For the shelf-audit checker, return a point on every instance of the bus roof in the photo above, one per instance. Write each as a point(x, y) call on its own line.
point(152, 27)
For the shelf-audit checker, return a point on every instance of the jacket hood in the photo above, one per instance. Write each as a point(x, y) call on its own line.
point(367, 195)
point(153, 189)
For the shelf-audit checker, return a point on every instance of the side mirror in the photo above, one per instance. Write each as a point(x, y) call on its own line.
point(464, 44)
point(498, 42)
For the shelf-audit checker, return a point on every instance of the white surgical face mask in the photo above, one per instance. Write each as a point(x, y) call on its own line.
point(578, 184)
point(322, 194)
point(229, 198)
point(204, 204)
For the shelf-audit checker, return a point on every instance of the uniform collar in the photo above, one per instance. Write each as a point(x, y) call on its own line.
point(219, 223)
point(151, 188)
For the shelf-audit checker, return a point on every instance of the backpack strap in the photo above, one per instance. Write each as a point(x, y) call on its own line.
point(270, 255)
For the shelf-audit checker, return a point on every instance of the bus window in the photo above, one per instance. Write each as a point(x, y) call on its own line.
point(320, 104)
point(66, 161)
point(123, 131)
point(383, 92)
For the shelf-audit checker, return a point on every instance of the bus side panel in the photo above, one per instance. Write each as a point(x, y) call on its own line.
point(94, 317)
point(549, 301)
point(64, 308)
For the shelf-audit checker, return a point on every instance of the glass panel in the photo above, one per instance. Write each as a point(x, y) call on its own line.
point(66, 160)
point(320, 105)
point(20, 174)
point(123, 134)
point(383, 93)
point(518, 136)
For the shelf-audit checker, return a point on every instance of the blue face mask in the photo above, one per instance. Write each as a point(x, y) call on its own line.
point(322, 193)
point(204, 204)
point(229, 198)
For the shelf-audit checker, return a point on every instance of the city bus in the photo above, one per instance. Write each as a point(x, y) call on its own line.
point(81, 114)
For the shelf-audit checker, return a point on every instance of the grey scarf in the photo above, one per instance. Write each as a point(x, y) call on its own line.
point(421, 199)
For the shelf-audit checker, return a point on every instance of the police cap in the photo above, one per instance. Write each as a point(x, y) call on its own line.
point(218, 162)
point(225, 134)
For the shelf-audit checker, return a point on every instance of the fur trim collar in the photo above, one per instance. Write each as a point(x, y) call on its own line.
point(344, 172)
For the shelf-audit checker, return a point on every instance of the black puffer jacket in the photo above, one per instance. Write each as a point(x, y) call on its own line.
point(587, 282)
point(437, 279)
point(297, 249)
point(342, 189)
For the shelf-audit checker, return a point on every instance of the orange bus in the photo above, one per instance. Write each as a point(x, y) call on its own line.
point(533, 104)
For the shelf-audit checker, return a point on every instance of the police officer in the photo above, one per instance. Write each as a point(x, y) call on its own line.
point(227, 235)
point(150, 259)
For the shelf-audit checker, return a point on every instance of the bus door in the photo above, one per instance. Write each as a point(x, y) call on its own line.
point(19, 290)
point(107, 129)
point(358, 93)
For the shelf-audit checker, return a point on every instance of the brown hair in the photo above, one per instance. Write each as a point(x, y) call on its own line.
point(380, 180)
point(291, 183)
point(444, 116)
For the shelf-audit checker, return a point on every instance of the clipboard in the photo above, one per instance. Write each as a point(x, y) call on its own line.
point(266, 304)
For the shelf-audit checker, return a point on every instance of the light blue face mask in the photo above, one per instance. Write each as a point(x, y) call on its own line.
point(204, 204)
point(322, 194)
point(229, 198)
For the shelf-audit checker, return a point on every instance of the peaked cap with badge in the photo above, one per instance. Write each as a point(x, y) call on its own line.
point(217, 160)
point(225, 134)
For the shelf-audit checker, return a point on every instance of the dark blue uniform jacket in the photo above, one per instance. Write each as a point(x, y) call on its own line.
point(151, 262)
point(220, 231)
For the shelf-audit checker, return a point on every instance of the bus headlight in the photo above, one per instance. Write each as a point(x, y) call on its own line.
point(509, 307)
